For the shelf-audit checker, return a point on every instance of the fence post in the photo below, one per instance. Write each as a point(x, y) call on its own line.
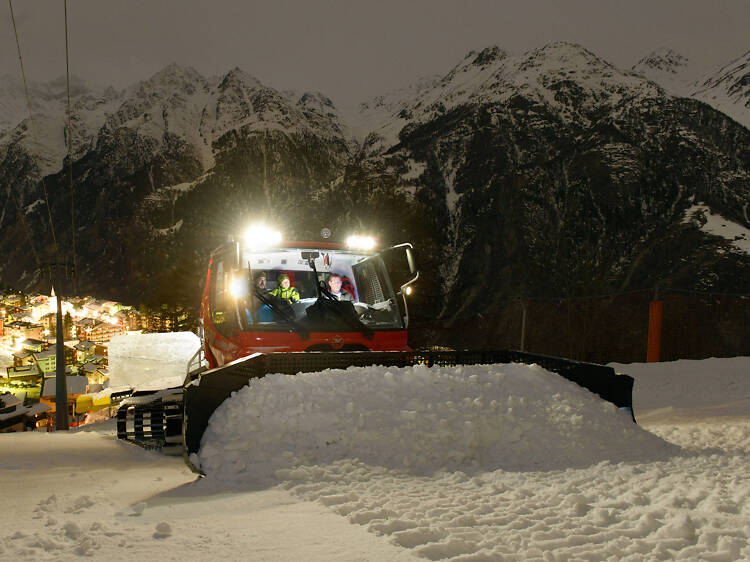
point(654, 329)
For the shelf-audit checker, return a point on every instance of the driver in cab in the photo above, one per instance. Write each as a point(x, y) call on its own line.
point(334, 285)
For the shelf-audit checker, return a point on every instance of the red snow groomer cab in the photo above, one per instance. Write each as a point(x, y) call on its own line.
point(263, 295)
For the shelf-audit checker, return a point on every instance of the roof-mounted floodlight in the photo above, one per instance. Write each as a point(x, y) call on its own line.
point(258, 237)
point(361, 242)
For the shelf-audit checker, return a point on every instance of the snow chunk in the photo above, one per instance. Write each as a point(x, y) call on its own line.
point(151, 361)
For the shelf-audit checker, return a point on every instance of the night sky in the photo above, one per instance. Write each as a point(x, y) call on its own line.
point(350, 50)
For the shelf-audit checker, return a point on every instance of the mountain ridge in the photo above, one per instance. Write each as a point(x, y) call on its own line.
point(545, 173)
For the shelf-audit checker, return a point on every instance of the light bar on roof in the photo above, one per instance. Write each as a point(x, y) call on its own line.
point(361, 242)
point(259, 237)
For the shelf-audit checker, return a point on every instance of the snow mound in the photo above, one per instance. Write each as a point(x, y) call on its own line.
point(151, 361)
point(420, 420)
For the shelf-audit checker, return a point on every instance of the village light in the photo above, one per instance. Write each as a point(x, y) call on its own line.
point(260, 236)
point(409, 290)
point(361, 242)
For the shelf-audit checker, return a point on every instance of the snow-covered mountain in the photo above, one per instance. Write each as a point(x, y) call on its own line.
point(556, 160)
point(668, 68)
point(492, 76)
point(176, 102)
point(728, 89)
point(43, 137)
point(547, 173)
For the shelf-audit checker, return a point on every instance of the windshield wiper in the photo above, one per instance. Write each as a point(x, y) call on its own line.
point(264, 298)
point(339, 308)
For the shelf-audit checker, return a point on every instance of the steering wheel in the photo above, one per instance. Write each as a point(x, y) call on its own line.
point(361, 308)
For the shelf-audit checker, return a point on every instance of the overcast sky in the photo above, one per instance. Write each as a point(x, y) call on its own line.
point(350, 50)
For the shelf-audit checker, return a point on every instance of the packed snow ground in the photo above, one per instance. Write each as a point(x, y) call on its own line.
point(435, 477)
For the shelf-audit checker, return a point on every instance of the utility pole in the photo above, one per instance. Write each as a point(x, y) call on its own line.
point(59, 273)
point(653, 350)
point(61, 383)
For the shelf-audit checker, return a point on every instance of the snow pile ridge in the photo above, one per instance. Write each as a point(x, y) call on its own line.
point(419, 420)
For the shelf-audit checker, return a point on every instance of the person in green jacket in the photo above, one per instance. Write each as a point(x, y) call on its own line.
point(285, 289)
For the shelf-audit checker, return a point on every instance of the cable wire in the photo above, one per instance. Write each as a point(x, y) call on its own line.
point(31, 122)
point(25, 225)
point(70, 153)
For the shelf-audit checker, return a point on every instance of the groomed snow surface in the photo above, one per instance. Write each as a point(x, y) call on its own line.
point(502, 462)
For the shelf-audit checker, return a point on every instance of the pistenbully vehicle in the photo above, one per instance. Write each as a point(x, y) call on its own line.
point(249, 332)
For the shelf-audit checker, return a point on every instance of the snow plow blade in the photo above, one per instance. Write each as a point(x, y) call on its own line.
point(205, 394)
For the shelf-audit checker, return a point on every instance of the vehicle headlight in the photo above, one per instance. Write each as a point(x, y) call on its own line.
point(238, 287)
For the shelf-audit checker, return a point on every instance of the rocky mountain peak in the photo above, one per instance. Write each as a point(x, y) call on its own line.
point(489, 55)
point(486, 60)
point(238, 78)
point(171, 78)
point(565, 57)
point(669, 69)
point(663, 60)
point(315, 99)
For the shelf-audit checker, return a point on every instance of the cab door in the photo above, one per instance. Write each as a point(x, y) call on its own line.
point(375, 280)
point(222, 303)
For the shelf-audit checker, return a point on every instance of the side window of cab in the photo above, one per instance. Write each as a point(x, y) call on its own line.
point(221, 304)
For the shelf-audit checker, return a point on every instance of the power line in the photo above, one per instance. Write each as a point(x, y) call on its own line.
point(31, 121)
point(70, 153)
point(25, 225)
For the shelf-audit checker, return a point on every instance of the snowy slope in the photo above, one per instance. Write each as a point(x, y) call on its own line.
point(728, 89)
point(84, 493)
point(668, 68)
point(43, 136)
point(736, 234)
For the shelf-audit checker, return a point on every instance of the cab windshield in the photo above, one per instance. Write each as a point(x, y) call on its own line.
point(288, 296)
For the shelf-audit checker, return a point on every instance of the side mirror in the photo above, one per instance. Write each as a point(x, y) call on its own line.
point(401, 278)
point(398, 266)
point(410, 259)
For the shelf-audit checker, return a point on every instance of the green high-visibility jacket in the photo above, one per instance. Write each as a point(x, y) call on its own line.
point(291, 294)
